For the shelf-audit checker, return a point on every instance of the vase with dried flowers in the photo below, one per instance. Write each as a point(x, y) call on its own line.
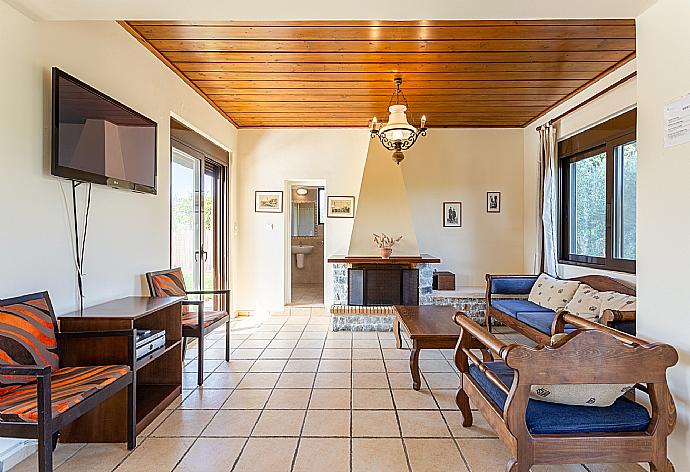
point(385, 244)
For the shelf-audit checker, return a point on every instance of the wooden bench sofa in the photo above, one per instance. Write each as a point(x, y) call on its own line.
point(536, 322)
point(539, 432)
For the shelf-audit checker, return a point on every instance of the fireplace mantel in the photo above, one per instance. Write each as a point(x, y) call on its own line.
point(421, 259)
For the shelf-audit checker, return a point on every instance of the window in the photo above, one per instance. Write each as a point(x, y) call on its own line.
point(598, 185)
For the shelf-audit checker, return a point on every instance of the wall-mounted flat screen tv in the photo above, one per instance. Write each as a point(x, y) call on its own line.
point(97, 139)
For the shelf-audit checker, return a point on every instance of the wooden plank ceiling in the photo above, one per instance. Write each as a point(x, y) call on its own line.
point(340, 73)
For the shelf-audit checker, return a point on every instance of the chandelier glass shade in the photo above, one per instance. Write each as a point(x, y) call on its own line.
point(397, 134)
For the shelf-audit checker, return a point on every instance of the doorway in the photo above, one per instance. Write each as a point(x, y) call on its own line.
point(307, 237)
point(198, 203)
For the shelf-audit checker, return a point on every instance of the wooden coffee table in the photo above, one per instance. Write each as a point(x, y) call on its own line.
point(429, 327)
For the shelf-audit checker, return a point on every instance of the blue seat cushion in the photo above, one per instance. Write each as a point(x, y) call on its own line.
point(539, 320)
point(625, 326)
point(556, 418)
point(513, 307)
point(512, 285)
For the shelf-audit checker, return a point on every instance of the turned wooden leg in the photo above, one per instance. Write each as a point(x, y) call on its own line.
point(396, 333)
point(414, 366)
point(463, 402)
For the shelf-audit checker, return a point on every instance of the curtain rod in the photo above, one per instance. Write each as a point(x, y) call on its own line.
point(590, 99)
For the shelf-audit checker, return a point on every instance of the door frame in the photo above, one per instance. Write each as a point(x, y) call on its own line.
point(287, 235)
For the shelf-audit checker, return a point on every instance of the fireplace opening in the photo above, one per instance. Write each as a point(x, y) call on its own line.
point(383, 285)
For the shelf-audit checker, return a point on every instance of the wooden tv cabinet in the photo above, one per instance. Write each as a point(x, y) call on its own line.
point(158, 376)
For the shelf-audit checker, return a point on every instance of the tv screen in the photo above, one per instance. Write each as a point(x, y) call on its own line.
point(100, 140)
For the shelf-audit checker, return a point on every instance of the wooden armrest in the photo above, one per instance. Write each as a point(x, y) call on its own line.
point(208, 292)
point(610, 316)
point(488, 340)
point(33, 370)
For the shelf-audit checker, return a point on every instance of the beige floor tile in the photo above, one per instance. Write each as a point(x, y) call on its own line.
point(333, 380)
point(292, 335)
point(205, 399)
point(336, 354)
point(445, 398)
point(279, 423)
point(330, 399)
point(371, 399)
point(434, 455)
point(246, 354)
point(156, 455)
point(268, 365)
point(251, 399)
point(153, 425)
point(369, 380)
point(396, 354)
point(301, 365)
point(223, 380)
point(327, 423)
point(615, 468)
point(484, 454)
point(270, 354)
point(283, 344)
point(61, 454)
point(323, 454)
point(184, 423)
point(310, 344)
point(442, 380)
point(335, 365)
point(313, 335)
point(235, 365)
point(479, 429)
point(295, 380)
point(209, 365)
point(378, 455)
point(431, 354)
point(422, 424)
point(366, 353)
point(366, 344)
point(338, 343)
point(435, 365)
point(259, 380)
point(237, 423)
point(254, 344)
point(367, 365)
point(414, 400)
point(94, 458)
point(289, 399)
point(365, 335)
point(267, 454)
point(395, 365)
point(402, 380)
point(211, 455)
point(306, 354)
point(374, 424)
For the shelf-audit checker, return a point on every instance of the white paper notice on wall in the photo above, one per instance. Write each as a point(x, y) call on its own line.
point(677, 122)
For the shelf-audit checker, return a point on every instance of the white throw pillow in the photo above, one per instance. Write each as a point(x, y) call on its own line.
point(586, 303)
point(552, 293)
point(600, 395)
point(618, 301)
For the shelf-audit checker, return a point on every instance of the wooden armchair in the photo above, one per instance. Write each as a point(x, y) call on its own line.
point(196, 323)
point(38, 394)
point(538, 432)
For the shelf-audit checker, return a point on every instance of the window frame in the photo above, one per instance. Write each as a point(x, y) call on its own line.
point(605, 137)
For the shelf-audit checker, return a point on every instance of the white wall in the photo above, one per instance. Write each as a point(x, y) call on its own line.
point(663, 41)
point(128, 233)
point(618, 100)
point(448, 164)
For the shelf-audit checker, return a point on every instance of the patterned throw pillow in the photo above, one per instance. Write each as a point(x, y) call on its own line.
point(586, 303)
point(600, 395)
point(618, 301)
point(552, 293)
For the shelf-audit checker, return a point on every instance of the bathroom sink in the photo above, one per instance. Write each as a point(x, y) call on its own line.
point(302, 249)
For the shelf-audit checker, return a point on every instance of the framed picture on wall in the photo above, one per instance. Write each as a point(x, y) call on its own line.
point(341, 207)
point(452, 214)
point(268, 201)
point(493, 202)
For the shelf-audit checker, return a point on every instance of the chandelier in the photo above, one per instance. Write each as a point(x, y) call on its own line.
point(397, 135)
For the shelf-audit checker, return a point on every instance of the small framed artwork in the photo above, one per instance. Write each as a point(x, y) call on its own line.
point(493, 202)
point(452, 214)
point(268, 201)
point(341, 207)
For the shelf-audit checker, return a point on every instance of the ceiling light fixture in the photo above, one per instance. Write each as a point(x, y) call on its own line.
point(397, 135)
point(302, 191)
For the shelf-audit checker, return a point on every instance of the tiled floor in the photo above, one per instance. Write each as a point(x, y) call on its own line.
point(307, 294)
point(298, 397)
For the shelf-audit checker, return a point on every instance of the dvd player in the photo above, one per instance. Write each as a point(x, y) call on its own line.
point(149, 340)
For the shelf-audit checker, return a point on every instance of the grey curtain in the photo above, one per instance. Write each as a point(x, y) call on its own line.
point(547, 242)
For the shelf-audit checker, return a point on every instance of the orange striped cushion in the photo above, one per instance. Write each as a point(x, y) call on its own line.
point(170, 284)
point(27, 335)
point(70, 386)
point(190, 317)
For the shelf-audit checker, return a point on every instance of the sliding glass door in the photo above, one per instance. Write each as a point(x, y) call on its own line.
point(197, 209)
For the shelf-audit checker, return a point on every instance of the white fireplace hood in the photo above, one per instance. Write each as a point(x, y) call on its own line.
point(382, 207)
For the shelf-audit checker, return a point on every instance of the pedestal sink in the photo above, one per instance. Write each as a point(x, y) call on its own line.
point(300, 252)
